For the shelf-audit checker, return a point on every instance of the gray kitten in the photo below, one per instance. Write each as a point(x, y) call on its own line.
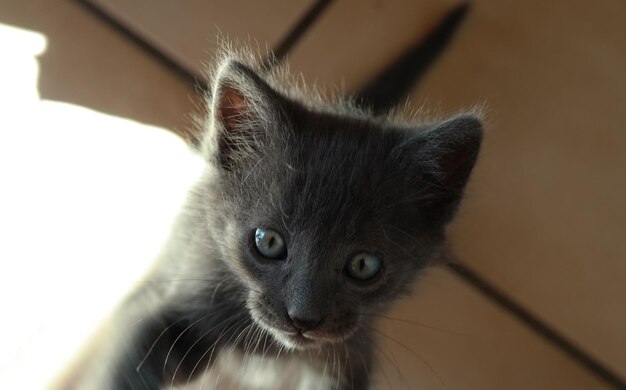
point(309, 220)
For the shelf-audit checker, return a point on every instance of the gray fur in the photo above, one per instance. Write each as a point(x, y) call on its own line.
point(333, 182)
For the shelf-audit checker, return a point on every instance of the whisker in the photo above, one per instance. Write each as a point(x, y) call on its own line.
point(240, 336)
point(333, 369)
point(401, 247)
point(211, 348)
point(393, 363)
point(215, 291)
point(247, 343)
point(172, 280)
point(365, 366)
point(382, 369)
point(241, 323)
point(155, 342)
point(279, 351)
point(191, 347)
point(410, 237)
point(414, 323)
point(414, 353)
point(351, 374)
point(251, 170)
point(339, 381)
point(264, 334)
point(179, 336)
point(163, 333)
point(243, 334)
point(259, 334)
point(325, 364)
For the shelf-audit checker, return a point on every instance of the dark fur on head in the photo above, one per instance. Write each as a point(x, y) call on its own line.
point(334, 181)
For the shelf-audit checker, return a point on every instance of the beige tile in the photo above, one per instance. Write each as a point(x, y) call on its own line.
point(89, 64)
point(356, 38)
point(545, 216)
point(187, 30)
point(467, 343)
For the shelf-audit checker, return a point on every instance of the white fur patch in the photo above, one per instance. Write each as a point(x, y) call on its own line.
point(233, 371)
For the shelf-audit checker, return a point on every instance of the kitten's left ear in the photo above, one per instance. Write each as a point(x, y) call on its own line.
point(452, 147)
point(443, 157)
point(243, 107)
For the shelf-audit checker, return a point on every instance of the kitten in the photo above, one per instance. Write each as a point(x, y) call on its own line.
point(308, 219)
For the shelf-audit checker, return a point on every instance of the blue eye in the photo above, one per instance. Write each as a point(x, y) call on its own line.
point(270, 243)
point(363, 266)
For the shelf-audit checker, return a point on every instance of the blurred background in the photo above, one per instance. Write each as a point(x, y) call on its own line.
point(96, 94)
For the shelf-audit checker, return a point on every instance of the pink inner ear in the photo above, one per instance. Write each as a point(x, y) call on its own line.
point(232, 107)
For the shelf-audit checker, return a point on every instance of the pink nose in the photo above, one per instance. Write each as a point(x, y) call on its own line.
point(304, 324)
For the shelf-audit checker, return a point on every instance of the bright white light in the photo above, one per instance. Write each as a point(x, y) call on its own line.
point(86, 201)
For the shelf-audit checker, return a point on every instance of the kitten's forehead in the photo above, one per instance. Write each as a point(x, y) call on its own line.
point(337, 176)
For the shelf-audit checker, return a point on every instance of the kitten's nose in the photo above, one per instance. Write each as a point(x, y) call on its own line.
point(302, 324)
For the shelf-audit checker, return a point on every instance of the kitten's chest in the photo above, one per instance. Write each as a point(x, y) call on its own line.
point(233, 370)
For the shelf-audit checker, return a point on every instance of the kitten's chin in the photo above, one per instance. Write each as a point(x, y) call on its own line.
point(301, 341)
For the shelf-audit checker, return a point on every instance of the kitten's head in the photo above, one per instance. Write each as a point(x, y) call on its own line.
point(326, 216)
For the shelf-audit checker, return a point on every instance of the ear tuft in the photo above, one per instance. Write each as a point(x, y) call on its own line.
point(440, 160)
point(454, 146)
point(242, 106)
point(231, 107)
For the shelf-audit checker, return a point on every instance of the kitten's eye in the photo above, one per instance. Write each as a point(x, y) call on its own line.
point(363, 266)
point(270, 243)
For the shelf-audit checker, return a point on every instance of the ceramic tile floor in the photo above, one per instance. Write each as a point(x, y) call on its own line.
point(89, 64)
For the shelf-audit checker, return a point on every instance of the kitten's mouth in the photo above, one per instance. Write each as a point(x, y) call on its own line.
point(293, 339)
point(300, 340)
point(304, 340)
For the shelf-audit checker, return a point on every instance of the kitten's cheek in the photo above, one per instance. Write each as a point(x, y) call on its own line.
point(242, 272)
point(261, 318)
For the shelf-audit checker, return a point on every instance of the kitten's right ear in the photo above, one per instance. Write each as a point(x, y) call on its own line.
point(242, 107)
